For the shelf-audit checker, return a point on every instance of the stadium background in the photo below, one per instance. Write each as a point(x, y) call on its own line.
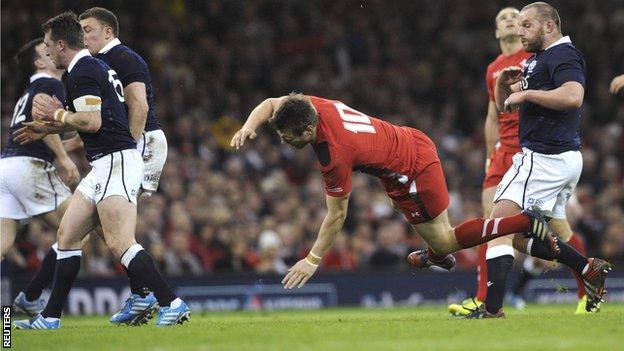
point(417, 63)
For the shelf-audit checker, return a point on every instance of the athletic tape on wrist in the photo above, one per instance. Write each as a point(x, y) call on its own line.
point(311, 263)
point(313, 259)
point(60, 115)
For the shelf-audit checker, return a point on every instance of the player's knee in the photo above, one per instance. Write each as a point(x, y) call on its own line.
point(66, 240)
point(500, 241)
point(118, 248)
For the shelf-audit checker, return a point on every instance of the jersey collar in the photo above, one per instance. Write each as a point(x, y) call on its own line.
point(109, 46)
point(82, 53)
point(564, 40)
point(34, 77)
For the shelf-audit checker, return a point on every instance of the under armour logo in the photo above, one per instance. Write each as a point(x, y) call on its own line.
point(98, 188)
point(489, 283)
point(415, 214)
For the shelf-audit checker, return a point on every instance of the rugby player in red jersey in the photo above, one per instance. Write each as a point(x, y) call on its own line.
point(407, 164)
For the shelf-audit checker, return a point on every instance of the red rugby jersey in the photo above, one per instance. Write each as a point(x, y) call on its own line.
point(507, 122)
point(348, 140)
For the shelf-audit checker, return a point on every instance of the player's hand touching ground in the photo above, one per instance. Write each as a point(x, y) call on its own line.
point(510, 75)
point(238, 140)
point(299, 274)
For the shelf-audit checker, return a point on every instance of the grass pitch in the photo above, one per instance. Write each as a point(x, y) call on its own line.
point(552, 327)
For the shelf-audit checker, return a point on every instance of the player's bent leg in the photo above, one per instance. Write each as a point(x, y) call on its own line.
point(9, 230)
point(118, 218)
point(29, 301)
point(78, 220)
point(561, 227)
point(592, 270)
point(118, 222)
point(469, 304)
point(436, 234)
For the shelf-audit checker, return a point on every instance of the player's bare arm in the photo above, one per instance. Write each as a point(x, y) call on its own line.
point(260, 115)
point(491, 130)
point(303, 270)
point(72, 144)
point(135, 95)
point(88, 120)
point(566, 97)
point(64, 165)
point(508, 82)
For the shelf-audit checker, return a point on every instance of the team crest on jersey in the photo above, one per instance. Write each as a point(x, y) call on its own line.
point(522, 63)
point(531, 66)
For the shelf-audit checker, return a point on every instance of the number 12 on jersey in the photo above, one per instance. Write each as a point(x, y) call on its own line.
point(354, 121)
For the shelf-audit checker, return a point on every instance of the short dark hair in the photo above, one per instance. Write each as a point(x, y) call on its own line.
point(26, 56)
point(294, 115)
point(65, 27)
point(104, 16)
point(546, 12)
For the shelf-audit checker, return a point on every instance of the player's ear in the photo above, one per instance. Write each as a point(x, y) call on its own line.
point(39, 63)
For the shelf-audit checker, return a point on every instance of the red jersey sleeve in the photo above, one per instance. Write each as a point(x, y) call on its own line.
point(335, 170)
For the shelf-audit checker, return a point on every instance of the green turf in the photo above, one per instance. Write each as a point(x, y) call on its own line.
point(420, 328)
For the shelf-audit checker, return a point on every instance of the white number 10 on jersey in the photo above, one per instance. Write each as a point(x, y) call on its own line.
point(354, 121)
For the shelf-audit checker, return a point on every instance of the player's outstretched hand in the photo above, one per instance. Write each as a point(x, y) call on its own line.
point(617, 84)
point(44, 106)
point(510, 75)
point(239, 137)
point(298, 274)
point(68, 172)
point(31, 131)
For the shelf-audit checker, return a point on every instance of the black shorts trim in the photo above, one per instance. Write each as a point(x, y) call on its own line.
point(526, 182)
point(512, 179)
point(110, 171)
point(123, 181)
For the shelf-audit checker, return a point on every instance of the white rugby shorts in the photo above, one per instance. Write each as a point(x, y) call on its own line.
point(153, 148)
point(542, 180)
point(29, 186)
point(118, 173)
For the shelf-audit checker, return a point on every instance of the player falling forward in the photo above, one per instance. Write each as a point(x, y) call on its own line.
point(101, 28)
point(406, 162)
point(109, 192)
point(30, 185)
point(501, 135)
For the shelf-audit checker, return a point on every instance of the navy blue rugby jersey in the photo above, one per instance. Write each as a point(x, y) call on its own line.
point(130, 68)
point(541, 129)
point(87, 75)
point(39, 83)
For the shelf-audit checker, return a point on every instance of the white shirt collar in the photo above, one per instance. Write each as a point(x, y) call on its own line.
point(36, 76)
point(111, 44)
point(563, 40)
point(82, 53)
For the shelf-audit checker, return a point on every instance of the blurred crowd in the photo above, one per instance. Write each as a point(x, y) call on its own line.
point(416, 63)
